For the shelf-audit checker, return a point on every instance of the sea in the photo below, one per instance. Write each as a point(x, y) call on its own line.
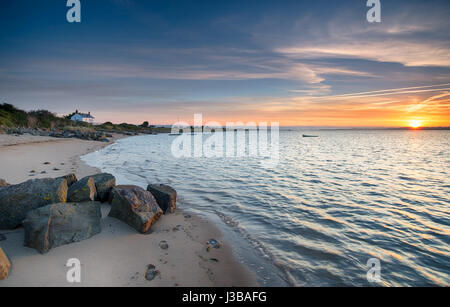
point(346, 208)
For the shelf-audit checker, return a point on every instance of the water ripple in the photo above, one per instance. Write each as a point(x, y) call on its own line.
point(330, 205)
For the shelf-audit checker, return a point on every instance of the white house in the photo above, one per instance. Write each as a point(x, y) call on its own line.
point(83, 117)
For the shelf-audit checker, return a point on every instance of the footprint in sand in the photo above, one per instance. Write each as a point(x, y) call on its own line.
point(163, 245)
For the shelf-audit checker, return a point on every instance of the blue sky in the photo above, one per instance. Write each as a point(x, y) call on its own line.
point(285, 61)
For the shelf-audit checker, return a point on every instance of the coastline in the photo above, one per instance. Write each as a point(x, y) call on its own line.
point(118, 256)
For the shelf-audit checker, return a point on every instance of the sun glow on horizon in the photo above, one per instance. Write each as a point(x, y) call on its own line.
point(415, 123)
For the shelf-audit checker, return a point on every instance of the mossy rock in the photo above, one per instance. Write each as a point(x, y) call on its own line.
point(17, 200)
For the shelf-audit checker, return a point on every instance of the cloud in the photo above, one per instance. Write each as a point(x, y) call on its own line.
point(406, 53)
point(391, 92)
point(407, 35)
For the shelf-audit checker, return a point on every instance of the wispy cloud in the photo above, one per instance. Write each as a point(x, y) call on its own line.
point(406, 53)
point(392, 92)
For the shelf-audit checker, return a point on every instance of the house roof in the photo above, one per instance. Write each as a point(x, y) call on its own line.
point(84, 115)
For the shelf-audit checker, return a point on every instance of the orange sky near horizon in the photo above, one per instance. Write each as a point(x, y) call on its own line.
point(351, 110)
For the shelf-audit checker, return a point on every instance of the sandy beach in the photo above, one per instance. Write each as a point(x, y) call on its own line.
point(118, 256)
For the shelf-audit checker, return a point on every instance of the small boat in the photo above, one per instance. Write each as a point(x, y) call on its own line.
point(310, 136)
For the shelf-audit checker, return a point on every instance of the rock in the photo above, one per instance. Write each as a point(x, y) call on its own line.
point(3, 183)
point(5, 265)
point(60, 224)
point(165, 196)
point(163, 245)
point(104, 183)
point(151, 272)
point(71, 179)
point(17, 200)
point(135, 206)
point(82, 190)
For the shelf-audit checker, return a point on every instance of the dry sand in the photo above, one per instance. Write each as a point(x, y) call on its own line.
point(118, 256)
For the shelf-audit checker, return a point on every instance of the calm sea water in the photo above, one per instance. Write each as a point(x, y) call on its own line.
point(330, 205)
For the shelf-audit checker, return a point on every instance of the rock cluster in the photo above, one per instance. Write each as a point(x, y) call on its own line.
point(64, 210)
point(62, 133)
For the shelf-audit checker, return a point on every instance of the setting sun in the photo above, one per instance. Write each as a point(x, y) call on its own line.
point(415, 123)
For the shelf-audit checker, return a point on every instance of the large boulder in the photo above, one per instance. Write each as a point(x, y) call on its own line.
point(104, 183)
point(5, 265)
point(71, 179)
point(82, 190)
point(17, 200)
point(60, 224)
point(3, 183)
point(135, 206)
point(165, 196)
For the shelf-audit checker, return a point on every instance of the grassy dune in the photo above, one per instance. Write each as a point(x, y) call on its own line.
point(14, 118)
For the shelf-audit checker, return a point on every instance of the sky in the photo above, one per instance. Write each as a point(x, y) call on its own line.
point(299, 63)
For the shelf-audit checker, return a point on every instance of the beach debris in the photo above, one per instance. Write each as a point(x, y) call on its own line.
point(17, 200)
point(82, 190)
point(33, 171)
point(60, 224)
point(5, 265)
point(3, 183)
point(165, 196)
point(71, 179)
point(177, 228)
point(187, 216)
point(134, 206)
point(214, 259)
point(104, 183)
point(163, 245)
point(43, 172)
point(47, 163)
point(214, 243)
point(151, 272)
point(56, 169)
